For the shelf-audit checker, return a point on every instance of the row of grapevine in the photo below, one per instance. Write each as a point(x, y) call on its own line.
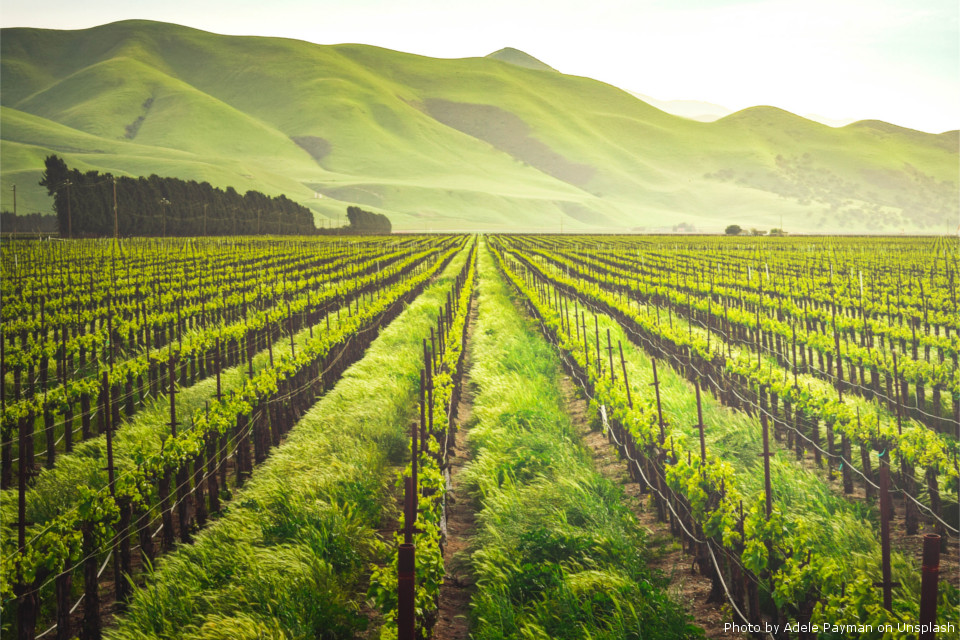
point(134, 380)
point(913, 445)
point(290, 557)
point(244, 424)
point(720, 305)
point(769, 555)
point(558, 552)
point(407, 590)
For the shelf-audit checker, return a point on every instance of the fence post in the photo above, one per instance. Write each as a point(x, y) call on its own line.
point(886, 584)
point(406, 592)
point(626, 381)
point(928, 585)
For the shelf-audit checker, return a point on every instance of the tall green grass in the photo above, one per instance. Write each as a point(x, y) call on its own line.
point(556, 553)
point(57, 489)
point(289, 557)
point(839, 527)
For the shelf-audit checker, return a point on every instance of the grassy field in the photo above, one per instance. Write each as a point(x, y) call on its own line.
point(288, 558)
point(476, 143)
point(556, 553)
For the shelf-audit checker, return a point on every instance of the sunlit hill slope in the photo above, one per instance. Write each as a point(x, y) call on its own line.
point(496, 143)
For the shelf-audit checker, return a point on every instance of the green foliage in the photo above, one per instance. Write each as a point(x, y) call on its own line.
point(289, 557)
point(154, 206)
point(141, 98)
point(814, 543)
point(365, 222)
point(557, 555)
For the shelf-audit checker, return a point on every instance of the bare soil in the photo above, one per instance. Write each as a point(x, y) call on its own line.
point(453, 622)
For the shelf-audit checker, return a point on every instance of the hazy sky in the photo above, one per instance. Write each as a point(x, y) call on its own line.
point(894, 60)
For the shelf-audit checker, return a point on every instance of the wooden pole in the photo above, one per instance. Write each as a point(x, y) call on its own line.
point(703, 444)
point(626, 381)
point(928, 585)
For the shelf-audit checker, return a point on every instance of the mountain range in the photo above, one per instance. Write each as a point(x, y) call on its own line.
point(496, 143)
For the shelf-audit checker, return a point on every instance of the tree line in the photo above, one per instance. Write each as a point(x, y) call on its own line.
point(89, 204)
point(27, 223)
point(367, 222)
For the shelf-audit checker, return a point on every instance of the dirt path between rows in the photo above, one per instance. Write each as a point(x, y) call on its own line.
point(453, 621)
point(686, 585)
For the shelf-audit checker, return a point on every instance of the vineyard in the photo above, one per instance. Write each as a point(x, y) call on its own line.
point(269, 437)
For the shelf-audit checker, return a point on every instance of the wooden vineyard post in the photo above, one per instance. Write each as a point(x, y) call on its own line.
point(49, 434)
point(164, 484)
point(703, 443)
point(417, 432)
point(767, 488)
point(906, 469)
point(576, 318)
point(656, 386)
point(62, 588)
point(661, 507)
point(928, 585)
point(90, 628)
point(626, 381)
point(613, 378)
point(121, 546)
point(293, 348)
point(218, 367)
point(586, 344)
point(26, 599)
point(836, 340)
point(846, 472)
point(887, 584)
point(406, 592)
point(793, 329)
point(6, 448)
point(830, 450)
point(406, 554)
point(251, 349)
point(596, 329)
point(933, 491)
point(865, 462)
point(199, 500)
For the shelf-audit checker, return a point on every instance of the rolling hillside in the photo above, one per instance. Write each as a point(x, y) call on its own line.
point(496, 143)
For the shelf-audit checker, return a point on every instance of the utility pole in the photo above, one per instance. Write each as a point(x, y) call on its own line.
point(14, 199)
point(116, 228)
point(163, 204)
point(69, 221)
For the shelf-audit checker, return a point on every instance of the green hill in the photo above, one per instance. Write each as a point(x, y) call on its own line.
point(519, 58)
point(502, 142)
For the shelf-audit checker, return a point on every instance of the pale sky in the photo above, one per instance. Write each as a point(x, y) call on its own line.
point(893, 60)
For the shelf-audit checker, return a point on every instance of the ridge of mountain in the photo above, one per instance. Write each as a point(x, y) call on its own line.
point(443, 144)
